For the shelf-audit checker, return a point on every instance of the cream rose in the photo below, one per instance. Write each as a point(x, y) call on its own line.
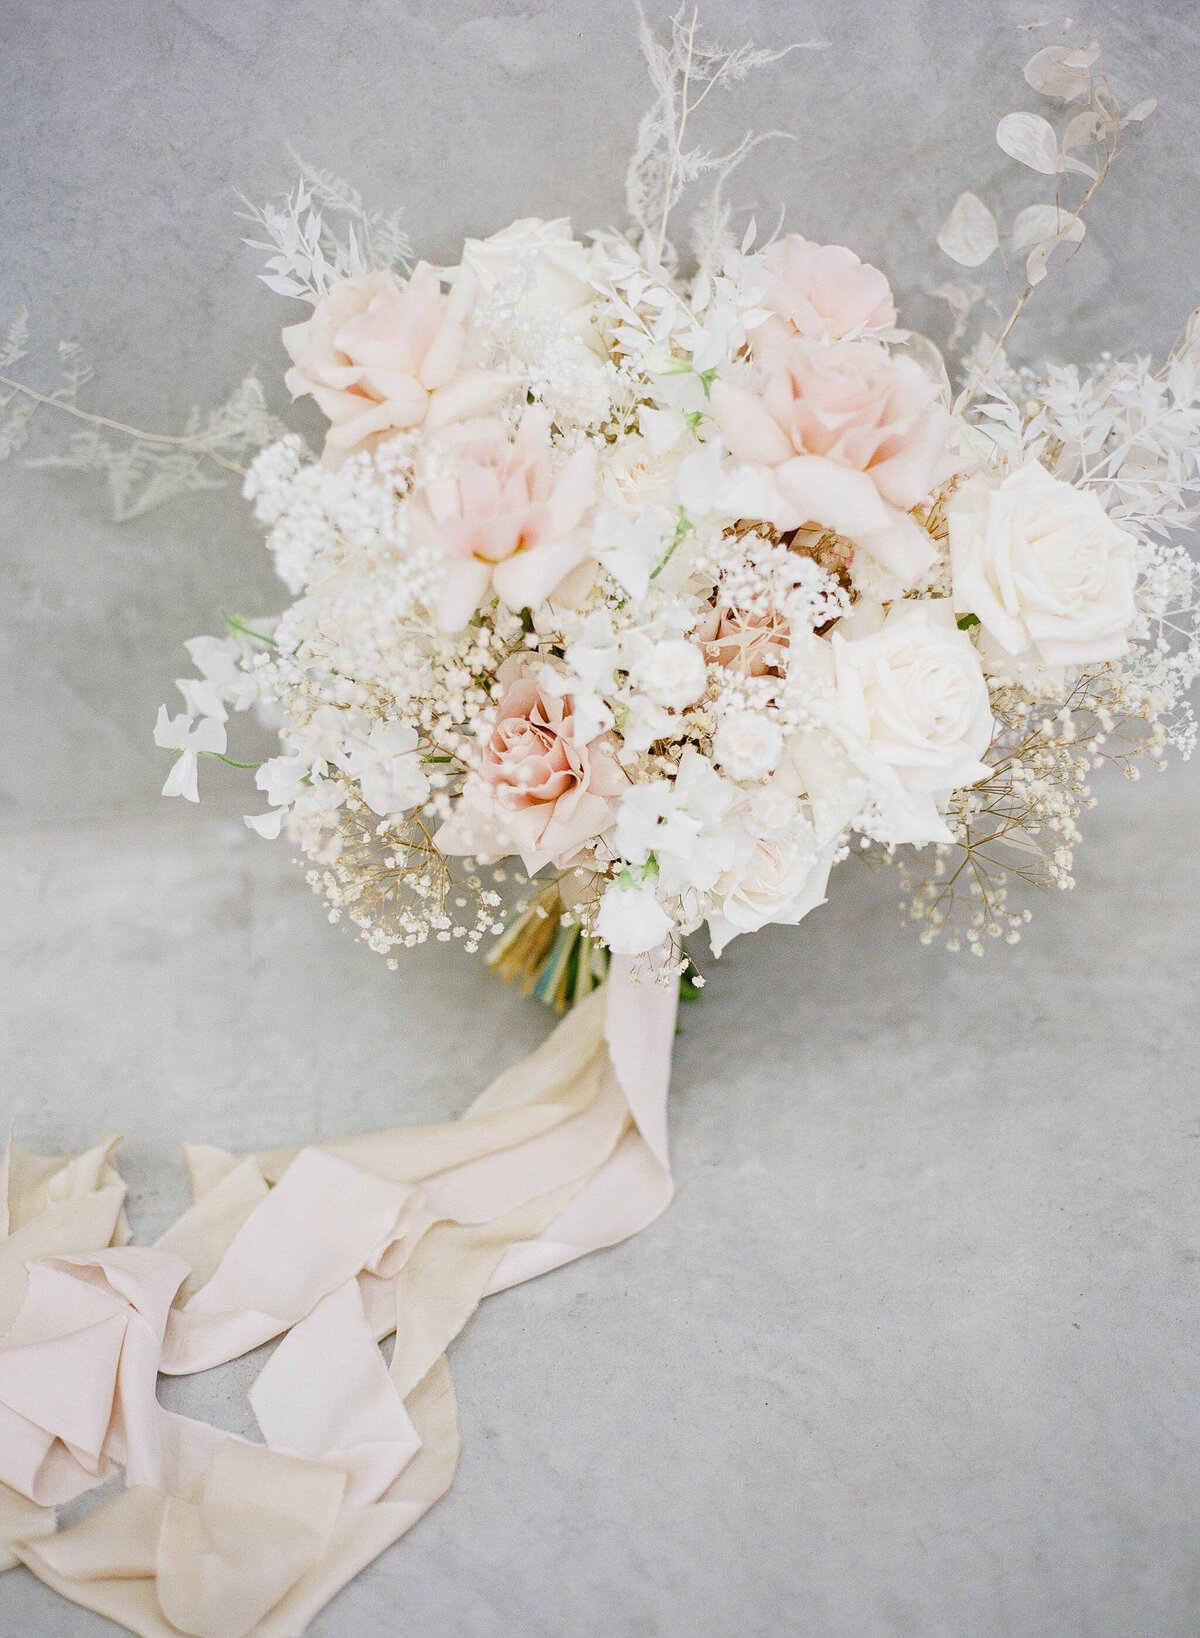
point(911, 706)
point(507, 522)
point(847, 436)
point(380, 357)
point(1043, 567)
point(550, 268)
point(784, 878)
point(822, 291)
point(536, 790)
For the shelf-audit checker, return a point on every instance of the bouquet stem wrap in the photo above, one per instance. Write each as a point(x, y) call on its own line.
point(329, 1248)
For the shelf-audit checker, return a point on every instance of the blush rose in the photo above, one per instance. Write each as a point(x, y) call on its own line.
point(821, 291)
point(536, 790)
point(846, 436)
point(380, 357)
point(507, 522)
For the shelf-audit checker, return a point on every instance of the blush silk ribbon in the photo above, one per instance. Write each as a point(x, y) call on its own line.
point(329, 1249)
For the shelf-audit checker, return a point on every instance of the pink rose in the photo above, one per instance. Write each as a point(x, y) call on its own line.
point(379, 357)
point(508, 522)
point(536, 791)
point(847, 437)
point(821, 291)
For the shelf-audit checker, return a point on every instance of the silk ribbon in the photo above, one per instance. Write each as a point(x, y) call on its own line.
point(325, 1251)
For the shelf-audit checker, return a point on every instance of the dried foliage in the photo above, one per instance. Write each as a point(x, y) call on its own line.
point(683, 70)
point(140, 469)
point(308, 251)
point(1078, 153)
point(392, 883)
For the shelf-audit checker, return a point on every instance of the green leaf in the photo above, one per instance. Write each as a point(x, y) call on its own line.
point(966, 621)
point(236, 624)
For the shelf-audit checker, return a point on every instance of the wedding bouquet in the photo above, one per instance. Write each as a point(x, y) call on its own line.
point(629, 598)
point(651, 596)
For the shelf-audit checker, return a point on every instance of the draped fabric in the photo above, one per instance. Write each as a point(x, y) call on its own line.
point(325, 1250)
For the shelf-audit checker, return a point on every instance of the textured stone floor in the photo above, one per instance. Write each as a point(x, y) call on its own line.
point(914, 1351)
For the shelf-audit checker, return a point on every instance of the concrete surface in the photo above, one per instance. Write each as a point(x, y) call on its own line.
point(912, 1355)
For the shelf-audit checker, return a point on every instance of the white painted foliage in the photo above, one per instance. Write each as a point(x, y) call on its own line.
point(1062, 71)
point(1030, 139)
point(969, 234)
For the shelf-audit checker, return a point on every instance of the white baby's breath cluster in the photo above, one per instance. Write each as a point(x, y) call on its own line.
point(669, 592)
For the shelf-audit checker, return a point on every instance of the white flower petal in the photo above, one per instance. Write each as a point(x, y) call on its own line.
point(266, 825)
point(631, 921)
point(182, 779)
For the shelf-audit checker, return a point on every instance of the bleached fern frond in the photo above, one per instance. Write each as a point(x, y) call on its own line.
point(16, 336)
point(712, 222)
point(239, 427)
point(138, 476)
point(75, 370)
point(144, 469)
point(683, 70)
point(15, 416)
point(140, 469)
point(385, 242)
point(307, 252)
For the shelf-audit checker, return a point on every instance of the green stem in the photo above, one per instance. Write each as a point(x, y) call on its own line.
point(228, 760)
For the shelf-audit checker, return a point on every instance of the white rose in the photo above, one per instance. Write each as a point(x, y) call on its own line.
point(673, 674)
point(748, 745)
point(912, 707)
point(783, 880)
point(631, 920)
point(551, 265)
point(1043, 568)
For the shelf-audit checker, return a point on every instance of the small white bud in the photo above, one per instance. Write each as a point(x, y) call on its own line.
point(631, 920)
point(675, 675)
point(748, 745)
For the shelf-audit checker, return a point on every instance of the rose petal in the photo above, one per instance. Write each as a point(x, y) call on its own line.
point(747, 427)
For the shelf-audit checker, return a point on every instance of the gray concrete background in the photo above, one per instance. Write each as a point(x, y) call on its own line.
point(913, 1353)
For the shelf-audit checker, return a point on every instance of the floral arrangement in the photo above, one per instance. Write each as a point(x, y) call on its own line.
point(627, 600)
point(652, 596)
